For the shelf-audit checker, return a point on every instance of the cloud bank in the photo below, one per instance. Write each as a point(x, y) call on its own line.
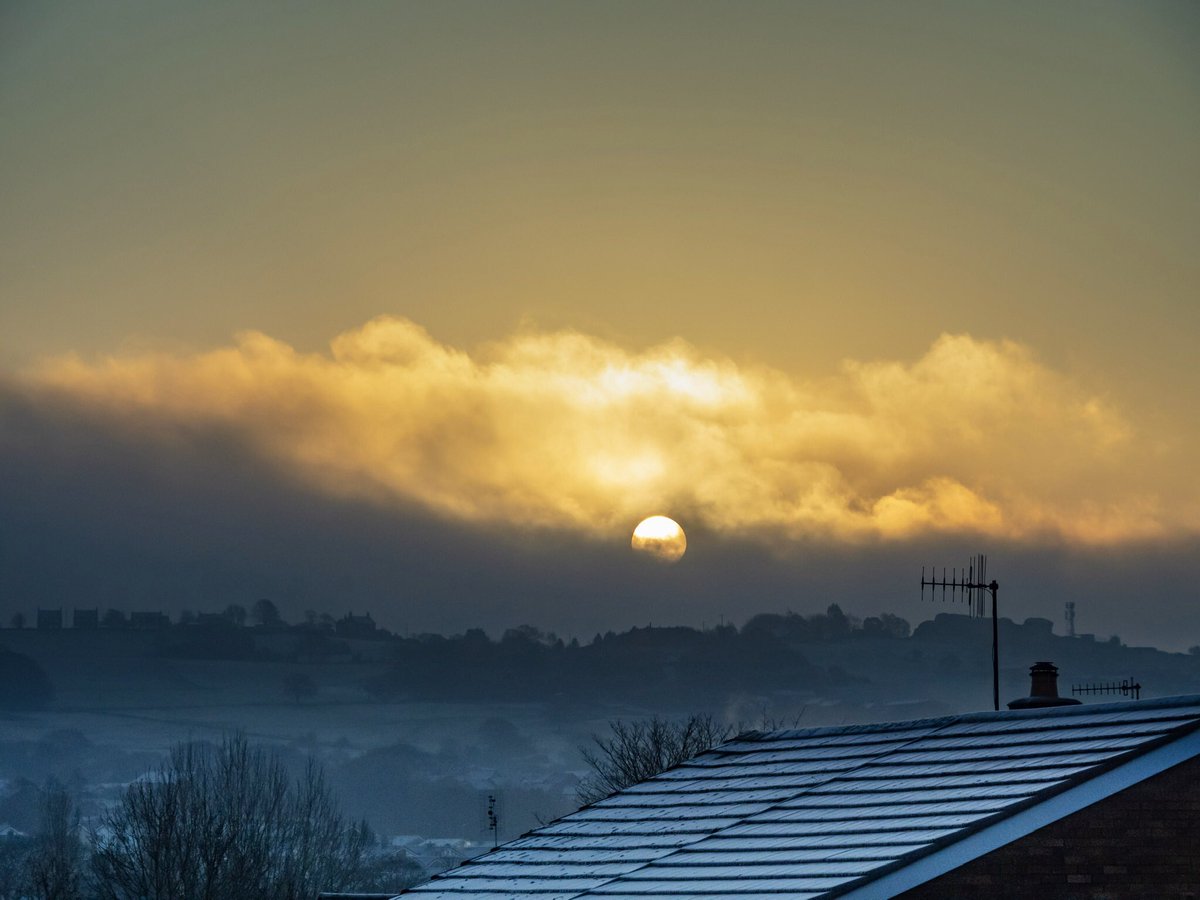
point(565, 430)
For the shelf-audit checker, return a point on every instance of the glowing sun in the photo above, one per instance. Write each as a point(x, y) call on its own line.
point(661, 538)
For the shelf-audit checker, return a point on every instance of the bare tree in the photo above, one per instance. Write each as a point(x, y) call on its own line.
point(390, 869)
point(266, 613)
point(299, 686)
point(235, 613)
point(635, 751)
point(55, 867)
point(226, 823)
point(14, 867)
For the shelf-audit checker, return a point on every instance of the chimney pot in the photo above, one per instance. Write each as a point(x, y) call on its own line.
point(1043, 689)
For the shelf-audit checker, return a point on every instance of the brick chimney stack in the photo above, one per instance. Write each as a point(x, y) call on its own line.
point(1043, 690)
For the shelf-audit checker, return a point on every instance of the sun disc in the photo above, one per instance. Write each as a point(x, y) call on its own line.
point(661, 538)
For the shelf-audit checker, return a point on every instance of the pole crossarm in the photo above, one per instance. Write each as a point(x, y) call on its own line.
point(967, 582)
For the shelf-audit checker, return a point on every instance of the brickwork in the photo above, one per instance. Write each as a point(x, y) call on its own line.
point(1143, 842)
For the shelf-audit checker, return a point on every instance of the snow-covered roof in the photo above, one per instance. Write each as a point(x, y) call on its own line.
point(860, 811)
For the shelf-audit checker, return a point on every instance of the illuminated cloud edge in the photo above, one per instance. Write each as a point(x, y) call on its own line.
point(564, 430)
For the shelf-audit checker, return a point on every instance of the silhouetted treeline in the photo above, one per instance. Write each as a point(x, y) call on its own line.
point(833, 625)
point(675, 664)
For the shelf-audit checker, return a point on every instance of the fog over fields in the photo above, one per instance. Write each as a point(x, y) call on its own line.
point(416, 733)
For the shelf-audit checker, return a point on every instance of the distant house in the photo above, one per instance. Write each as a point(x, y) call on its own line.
point(88, 619)
point(148, 621)
point(50, 619)
point(352, 626)
point(1063, 802)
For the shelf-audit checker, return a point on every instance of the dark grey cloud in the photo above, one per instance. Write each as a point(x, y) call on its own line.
point(135, 514)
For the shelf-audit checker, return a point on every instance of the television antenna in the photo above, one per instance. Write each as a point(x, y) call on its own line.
point(493, 821)
point(1126, 687)
point(969, 585)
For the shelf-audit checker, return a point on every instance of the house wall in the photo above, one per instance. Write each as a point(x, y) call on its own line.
point(1141, 842)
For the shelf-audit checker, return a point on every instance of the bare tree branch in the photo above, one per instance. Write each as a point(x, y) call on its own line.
point(635, 751)
point(227, 823)
point(56, 865)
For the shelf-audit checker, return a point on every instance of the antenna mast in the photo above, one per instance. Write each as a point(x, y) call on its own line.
point(969, 585)
point(493, 821)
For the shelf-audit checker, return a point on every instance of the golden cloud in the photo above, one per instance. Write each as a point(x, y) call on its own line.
point(562, 429)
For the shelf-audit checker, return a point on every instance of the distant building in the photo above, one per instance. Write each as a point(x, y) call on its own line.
point(51, 619)
point(88, 619)
point(1066, 802)
point(351, 626)
point(148, 621)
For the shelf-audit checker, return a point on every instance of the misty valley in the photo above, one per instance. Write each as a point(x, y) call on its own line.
point(418, 734)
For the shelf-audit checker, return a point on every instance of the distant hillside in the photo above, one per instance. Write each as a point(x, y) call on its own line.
point(418, 732)
point(830, 666)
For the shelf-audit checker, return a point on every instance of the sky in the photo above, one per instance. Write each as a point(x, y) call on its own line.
point(420, 308)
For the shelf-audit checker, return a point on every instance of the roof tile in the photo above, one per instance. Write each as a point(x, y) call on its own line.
point(816, 812)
